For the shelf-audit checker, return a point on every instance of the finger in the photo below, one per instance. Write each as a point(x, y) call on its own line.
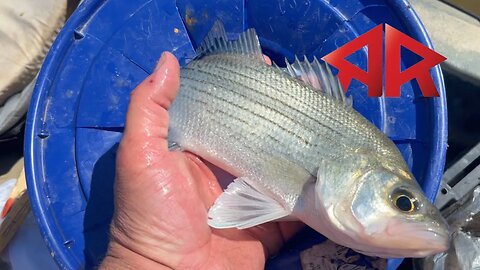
point(207, 185)
point(147, 117)
point(267, 60)
point(285, 231)
point(273, 235)
point(289, 229)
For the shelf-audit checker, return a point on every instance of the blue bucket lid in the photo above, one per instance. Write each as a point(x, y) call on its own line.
point(106, 48)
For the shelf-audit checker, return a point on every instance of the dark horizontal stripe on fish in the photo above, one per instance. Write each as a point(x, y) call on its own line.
point(294, 120)
point(223, 67)
point(228, 69)
point(326, 136)
point(333, 120)
point(248, 144)
point(343, 132)
point(304, 140)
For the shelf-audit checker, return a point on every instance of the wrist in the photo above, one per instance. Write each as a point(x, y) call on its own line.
point(121, 257)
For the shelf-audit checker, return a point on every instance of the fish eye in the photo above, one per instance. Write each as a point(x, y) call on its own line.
point(405, 201)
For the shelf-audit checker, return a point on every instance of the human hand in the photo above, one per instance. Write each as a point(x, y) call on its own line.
point(162, 197)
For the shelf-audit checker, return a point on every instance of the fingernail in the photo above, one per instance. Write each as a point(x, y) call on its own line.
point(7, 207)
point(161, 61)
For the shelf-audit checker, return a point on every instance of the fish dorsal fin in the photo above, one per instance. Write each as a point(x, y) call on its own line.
point(217, 41)
point(317, 75)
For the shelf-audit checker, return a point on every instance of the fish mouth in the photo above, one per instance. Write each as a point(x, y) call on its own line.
point(419, 239)
point(400, 239)
point(399, 253)
point(408, 244)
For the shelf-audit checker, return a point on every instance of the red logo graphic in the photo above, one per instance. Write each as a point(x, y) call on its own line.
point(394, 77)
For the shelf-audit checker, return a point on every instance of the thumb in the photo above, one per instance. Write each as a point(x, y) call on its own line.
point(147, 117)
point(146, 125)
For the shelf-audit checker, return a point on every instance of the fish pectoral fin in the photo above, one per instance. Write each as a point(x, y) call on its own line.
point(243, 206)
point(288, 218)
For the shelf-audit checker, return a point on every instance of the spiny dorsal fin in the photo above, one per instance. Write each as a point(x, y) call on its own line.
point(217, 41)
point(317, 75)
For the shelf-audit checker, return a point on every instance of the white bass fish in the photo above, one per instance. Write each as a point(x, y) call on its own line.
point(300, 152)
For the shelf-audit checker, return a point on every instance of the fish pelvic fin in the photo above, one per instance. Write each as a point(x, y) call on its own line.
point(217, 41)
point(318, 75)
point(243, 206)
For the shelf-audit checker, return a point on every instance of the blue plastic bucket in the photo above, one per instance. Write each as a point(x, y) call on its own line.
point(106, 48)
